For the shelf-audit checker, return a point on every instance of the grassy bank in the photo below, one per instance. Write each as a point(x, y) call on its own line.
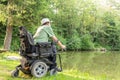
point(6, 66)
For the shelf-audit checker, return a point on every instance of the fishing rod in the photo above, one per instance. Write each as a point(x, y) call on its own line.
point(72, 42)
point(75, 40)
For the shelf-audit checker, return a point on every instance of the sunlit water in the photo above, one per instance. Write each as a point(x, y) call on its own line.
point(94, 63)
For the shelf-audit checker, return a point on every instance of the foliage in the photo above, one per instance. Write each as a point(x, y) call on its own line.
point(2, 34)
point(86, 26)
point(15, 45)
point(74, 42)
point(87, 43)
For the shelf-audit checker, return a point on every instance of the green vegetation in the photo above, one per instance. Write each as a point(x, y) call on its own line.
point(80, 24)
point(6, 66)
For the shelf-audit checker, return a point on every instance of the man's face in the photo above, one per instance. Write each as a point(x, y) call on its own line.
point(49, 24)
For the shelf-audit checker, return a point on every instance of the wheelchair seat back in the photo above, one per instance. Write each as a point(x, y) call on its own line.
point(42, 49)
point(26, 41)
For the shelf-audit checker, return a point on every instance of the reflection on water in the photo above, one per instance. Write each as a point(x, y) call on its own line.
point(95, 63)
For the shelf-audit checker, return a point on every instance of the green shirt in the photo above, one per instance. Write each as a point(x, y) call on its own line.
point(43, 33)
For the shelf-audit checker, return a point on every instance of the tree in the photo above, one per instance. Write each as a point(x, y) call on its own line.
point(8, 37)
point(21, 13)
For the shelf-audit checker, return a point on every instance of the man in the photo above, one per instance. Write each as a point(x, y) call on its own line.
point(42, 35)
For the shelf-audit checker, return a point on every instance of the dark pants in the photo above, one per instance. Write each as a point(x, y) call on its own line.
point(52, 58)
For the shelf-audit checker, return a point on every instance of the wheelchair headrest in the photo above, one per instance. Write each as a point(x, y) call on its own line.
point(25, 34)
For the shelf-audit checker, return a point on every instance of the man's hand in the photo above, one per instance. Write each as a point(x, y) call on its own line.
point(63, 47)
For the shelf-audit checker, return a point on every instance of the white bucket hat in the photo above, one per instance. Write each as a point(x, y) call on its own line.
point(44, 20)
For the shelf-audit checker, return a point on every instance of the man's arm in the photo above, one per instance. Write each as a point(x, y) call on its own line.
point(58, 42)
point(37, 33)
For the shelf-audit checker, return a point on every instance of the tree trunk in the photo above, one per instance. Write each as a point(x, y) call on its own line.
point(8, 37)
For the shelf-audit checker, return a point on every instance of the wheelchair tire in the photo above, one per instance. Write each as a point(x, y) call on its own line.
point(53, 72)
point(39, 69)
point(15, 73)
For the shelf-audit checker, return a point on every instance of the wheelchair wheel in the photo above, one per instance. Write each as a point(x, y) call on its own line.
point(39, 69)
point(53, 72)
point(15, 73)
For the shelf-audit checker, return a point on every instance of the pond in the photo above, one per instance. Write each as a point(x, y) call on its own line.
point(95, 63)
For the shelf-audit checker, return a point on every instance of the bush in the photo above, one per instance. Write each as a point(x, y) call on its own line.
point(86, 42)
point(15, 39)
point(74, 42)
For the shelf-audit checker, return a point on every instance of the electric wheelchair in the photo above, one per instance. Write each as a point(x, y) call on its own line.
point(35, 57)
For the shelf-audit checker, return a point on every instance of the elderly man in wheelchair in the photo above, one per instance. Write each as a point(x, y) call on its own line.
point(37, 59)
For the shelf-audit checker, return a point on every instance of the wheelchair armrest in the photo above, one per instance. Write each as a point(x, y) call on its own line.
point(44, 44)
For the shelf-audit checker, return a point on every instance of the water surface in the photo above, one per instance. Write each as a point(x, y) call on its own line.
point(95, 63)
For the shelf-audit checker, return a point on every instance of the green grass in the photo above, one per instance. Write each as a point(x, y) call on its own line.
point(6, 66)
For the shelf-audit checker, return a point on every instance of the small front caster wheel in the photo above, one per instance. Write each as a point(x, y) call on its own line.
point(53, 71)
point(15, 73)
